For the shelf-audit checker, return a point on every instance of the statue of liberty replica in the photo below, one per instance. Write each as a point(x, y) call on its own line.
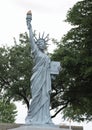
point(39, 113)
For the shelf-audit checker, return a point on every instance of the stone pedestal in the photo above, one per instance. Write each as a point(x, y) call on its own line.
point(30, 127)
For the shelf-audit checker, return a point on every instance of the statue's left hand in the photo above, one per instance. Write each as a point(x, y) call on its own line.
point(53, 77)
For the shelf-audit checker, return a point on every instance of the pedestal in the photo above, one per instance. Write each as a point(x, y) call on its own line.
point(30, 127)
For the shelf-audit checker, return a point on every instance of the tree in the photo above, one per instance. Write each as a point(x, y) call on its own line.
point(15, 70)
point(20, 70)
point(3, 68)
point(75, 54)
point(7, 111)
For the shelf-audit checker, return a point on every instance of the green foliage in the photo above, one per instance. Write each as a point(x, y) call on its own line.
point(3, 67)
point(80, 14)
point(75, 54)
point(7, 111)
point(16, 70)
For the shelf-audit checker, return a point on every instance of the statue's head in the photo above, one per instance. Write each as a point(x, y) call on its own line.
point(41, 44)
point(42, 41)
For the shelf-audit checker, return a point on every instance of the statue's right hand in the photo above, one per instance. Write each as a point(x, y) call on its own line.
point(28, 24)
point(28, 19)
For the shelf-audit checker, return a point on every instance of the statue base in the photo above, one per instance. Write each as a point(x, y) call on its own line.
point(38, 127)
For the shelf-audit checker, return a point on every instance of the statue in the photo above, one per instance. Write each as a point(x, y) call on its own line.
point(39, 113)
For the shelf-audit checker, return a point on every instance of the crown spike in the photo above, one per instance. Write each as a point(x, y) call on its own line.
point(47, 40)
point(46, 36)
point(43, 35)
point(39, 35)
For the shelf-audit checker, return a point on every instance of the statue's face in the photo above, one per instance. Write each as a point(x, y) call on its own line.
point(41, 44)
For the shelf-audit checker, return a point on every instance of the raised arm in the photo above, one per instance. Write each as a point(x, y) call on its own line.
point(31, 37)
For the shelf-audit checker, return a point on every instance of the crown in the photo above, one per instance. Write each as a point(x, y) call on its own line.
point(44, 38)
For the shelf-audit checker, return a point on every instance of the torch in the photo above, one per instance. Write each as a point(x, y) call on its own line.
point(29, 18)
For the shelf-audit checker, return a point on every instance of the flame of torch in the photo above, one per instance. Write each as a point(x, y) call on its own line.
point(29, 18)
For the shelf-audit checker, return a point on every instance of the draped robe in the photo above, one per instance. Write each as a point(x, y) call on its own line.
point(39, 112)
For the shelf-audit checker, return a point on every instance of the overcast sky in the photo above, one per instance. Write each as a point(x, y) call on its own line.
point(48, 16)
